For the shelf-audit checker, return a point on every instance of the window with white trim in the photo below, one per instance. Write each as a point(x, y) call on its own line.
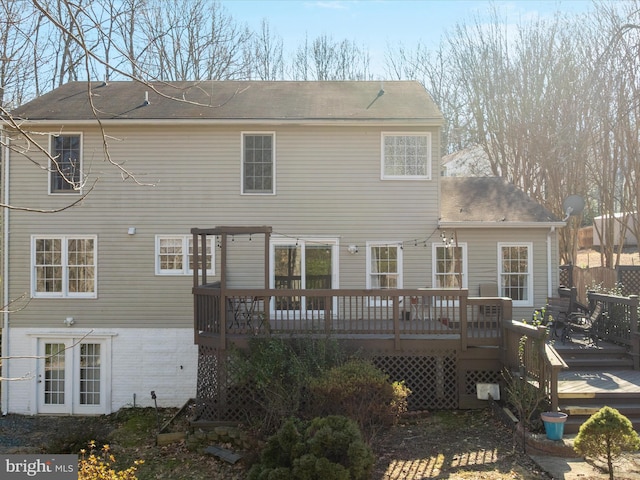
point(384, 265)
point(63, 266)
point(515, 267)
point(449, 266)
point(65, 164)
point(406, 156)
point(174, 255)
point(258, 162)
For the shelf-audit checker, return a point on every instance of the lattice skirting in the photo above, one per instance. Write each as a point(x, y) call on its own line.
point(432, 379)
point(435, 381)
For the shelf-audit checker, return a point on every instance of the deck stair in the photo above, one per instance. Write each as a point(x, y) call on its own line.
point(597, 376)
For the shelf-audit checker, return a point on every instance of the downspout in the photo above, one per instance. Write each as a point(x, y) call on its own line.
point(549, 266)
point(4, 400)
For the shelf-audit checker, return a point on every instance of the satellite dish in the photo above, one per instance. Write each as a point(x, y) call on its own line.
point(572, 205)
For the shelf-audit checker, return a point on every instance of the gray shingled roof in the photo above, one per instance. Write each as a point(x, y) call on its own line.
point(236, 100)
point(488, 199)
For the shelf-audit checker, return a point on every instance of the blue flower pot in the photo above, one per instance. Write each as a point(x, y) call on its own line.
point(554, 424)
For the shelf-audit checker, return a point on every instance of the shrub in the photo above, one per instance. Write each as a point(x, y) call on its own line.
point(276, 372)
point(326, 448)
point(605, 435)
point(360, 391)
point(96, 465)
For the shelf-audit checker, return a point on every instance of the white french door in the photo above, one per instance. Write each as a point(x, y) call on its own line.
point(72, 376)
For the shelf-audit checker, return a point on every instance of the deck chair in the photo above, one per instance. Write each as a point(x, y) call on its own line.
point(585, 325)
point(556, 313)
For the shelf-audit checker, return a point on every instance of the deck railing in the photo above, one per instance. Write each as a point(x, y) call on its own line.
point(619, 323)
point(391, 313)
point(527, 352)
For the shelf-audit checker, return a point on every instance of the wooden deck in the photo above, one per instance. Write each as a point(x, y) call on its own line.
point(594, 383)
point(597, 376)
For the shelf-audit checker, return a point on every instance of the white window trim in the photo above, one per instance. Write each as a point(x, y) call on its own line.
point(65, 274)
point(434, 260)
point(529, 245)
point(376, 301)
point(242, 135)
point(185, 255)
point(383, 176)
point(50, 169)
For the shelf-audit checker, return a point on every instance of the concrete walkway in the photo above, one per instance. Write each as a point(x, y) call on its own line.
point(571, 468)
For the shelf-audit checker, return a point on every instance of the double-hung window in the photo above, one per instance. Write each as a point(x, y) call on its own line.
point(258, 162)
point(174, 255)
point(384, 265)
point(515, 264)
point(64, 266)
point(65, 164)
point(449, 266)
point(406, 156)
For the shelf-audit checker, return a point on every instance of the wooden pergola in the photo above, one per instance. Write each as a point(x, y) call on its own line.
point(200, 245)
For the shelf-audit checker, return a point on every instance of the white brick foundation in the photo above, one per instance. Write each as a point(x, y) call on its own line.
point(140, 360)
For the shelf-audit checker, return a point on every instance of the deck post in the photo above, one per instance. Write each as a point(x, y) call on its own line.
point(635, 334)
point(223, 291)
point(462, 301)
point(396, 322)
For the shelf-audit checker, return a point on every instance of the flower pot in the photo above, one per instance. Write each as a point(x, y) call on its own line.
point(554, 424)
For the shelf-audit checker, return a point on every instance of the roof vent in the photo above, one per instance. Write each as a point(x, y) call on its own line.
point(146, 99)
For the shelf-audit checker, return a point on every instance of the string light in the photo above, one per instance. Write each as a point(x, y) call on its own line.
point(447, 240)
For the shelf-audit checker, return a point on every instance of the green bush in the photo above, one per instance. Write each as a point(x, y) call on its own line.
point(326, 448)
point(360, 391)
point(276, 372)
point(605, 436)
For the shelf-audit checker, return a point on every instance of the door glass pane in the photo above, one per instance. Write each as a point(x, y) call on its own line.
point(54, 373)
point(318, 273)
point(90, 374)
point(288, 274)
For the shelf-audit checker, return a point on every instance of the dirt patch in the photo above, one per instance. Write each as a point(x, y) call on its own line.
point(591, 258)
point(450, 444)
point(455, 445)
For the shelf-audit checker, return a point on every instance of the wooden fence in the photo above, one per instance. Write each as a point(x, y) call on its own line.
point(605, 279)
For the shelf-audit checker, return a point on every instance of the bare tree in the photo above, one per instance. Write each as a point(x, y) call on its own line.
point(327, 59)
point(267, 61)
point(192, 41)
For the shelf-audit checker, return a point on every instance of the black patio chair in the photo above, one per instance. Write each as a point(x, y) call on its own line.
point(585, 325)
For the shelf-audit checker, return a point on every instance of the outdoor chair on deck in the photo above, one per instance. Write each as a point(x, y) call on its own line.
point(585, 325)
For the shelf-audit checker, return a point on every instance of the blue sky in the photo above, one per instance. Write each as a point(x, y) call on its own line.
point(376, 23)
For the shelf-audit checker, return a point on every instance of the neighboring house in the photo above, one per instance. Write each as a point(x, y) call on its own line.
point(622, 229)
point(469, 162)
point(334, 168)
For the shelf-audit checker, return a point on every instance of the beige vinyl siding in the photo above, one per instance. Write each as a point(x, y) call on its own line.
point(482, 250)
point(327, 184)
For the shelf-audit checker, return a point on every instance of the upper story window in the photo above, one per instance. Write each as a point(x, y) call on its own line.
point(174, 255)
point(258, 163)
point(384, 265)
point(406, 156)
point(449, 266)
point(65, 165)
point(63, 266)
point(515, 267)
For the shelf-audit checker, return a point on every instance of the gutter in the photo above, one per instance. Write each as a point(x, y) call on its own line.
point(408, 122)
point(498, 224)
point(549, 266)
point(4, 399)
